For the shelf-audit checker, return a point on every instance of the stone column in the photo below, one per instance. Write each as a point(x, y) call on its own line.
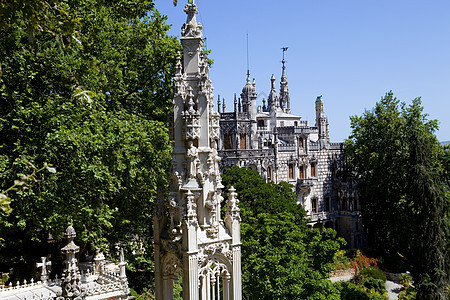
point(190, 277)
point(237, 275)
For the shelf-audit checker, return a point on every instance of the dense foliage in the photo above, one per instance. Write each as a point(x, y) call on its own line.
point(282, 258)
point(406, 208)
point(351, 291)
point(86, 86)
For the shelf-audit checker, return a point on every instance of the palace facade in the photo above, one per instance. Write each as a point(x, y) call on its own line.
point(283, 147)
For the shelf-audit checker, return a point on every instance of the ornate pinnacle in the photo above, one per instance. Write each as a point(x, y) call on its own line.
point(232, 205)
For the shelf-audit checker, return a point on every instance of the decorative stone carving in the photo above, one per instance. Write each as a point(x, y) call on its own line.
point(45, 266)
point(191, 209)
point(243, 127)
point(232, 205)
point(211, 204)
point(228, 128)
point(193, 160)
point(191, 28)
point(214, 126)
point(71, 278)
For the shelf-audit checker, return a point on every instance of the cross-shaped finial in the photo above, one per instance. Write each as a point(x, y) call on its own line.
point(44, 265)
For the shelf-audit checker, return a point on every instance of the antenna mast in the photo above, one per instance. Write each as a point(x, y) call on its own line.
point(248, 64)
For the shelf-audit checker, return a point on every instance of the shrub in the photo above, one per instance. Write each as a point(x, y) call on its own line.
point(408, 294)
point(372, 272)
point(350, 291)
point(360, 261)
point(341, 261)
point(376, 285)
point(405, 280)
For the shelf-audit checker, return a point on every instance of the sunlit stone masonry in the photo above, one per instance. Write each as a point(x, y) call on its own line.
point(191, 239)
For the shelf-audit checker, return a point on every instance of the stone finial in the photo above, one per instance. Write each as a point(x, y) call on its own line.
point(178, 65)
point(232, 205)
point(45, 265)
point(191, 28)
point(191, 209)
point(70, 233)
point(99, 262)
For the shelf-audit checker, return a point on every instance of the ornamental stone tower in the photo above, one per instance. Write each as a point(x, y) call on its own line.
point(191, 240)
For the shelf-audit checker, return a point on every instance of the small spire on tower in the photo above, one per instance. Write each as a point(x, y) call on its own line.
point(284, 90)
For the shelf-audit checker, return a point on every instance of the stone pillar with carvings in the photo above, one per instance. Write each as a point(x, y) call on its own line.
point(190, 238)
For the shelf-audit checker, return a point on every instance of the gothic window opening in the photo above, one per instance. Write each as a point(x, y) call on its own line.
point(301, 172)
point(269, 173)
point(261, 123)
point(313, 170)
point(281, 123)
point(300, 144)
point(215, 282)
point(327, 203)
point(295, 123)
point(291, 171)
point(344, 203)
point(228, 141)
point(242, 141)
point(244, 107)
point(314, 205)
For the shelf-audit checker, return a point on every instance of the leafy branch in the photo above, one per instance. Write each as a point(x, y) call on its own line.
point(5, 200)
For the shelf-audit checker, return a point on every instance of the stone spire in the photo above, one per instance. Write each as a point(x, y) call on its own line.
point(218, 104)
point(284, 91)
point(190, 239)
point(273, 102)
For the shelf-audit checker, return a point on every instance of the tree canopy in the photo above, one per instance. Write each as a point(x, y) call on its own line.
point(406, 210)
point(86, 88)
point(282, 258)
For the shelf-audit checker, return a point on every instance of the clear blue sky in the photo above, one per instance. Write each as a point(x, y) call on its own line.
point(351, 52)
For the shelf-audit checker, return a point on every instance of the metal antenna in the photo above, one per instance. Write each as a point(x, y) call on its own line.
point(248, 64)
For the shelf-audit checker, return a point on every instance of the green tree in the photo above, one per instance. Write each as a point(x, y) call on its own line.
point(397, 158)
point(282, 258)
point(92, 97)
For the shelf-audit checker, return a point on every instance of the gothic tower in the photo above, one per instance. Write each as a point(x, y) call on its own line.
point(322, 123)
point(248, 100)
point(191, 239)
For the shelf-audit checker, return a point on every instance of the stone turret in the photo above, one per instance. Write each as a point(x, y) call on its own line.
point(190, 238)
point(322, 123)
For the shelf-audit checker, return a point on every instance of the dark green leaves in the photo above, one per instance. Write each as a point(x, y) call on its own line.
point(88, 88)
point(406, 211)
point(281, 257)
